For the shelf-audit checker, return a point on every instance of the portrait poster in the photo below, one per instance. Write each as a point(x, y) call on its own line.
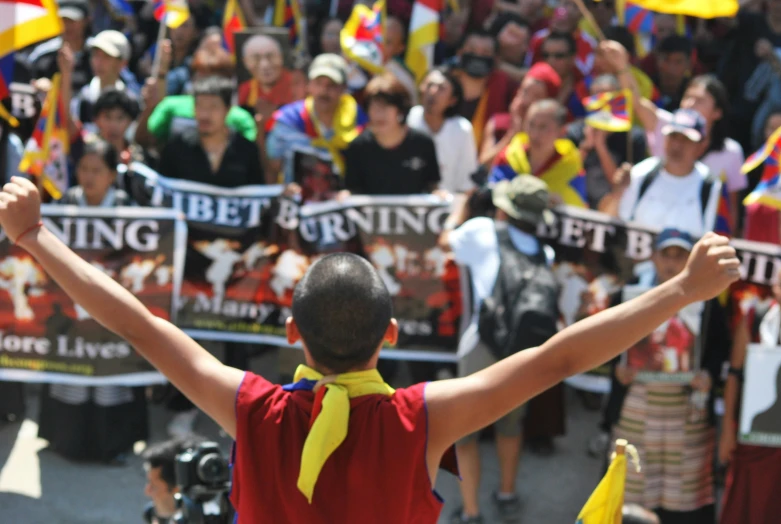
point(264, 66)
point(46, 337)
point(760, 411)
point(671, 352)
point(314, 172)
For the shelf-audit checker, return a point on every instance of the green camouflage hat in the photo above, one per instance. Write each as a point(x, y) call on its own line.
point(523, 198)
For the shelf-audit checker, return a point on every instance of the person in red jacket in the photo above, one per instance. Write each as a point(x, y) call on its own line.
point(340, 445)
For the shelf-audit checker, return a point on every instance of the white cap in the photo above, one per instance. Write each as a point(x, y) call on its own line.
point(113, 43)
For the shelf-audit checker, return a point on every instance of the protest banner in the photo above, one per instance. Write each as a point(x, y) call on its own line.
point(45, 337)
point(233, 247)
point(760, 412)
point(672, 352)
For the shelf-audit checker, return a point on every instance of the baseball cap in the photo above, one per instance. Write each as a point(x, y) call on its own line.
point(73, 9)
point(523, 198)
point(687, 122)
point(329, 65)
point(674, 237)
point(113, 43)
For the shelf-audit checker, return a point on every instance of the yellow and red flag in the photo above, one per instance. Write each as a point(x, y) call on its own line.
point(232, 22)
point(423, 36)
point(46, 152)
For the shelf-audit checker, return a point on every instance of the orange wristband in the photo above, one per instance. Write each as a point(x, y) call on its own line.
point(28, 231)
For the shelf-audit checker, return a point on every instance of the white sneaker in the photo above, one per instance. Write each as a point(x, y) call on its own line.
point(182, 424)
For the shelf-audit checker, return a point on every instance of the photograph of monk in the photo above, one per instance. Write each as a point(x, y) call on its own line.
point(760, 410)
point(265, 69)
point(670, 349)
point(315, 174)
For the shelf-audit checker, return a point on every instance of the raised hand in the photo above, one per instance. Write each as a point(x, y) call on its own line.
point(20, 207)
point(712, 266)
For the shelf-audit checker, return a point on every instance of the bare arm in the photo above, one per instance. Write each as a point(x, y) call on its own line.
point(461, 406)
point(618, 58)
point(186, 364)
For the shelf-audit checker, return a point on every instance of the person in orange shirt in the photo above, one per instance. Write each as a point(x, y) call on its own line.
point(262, 56)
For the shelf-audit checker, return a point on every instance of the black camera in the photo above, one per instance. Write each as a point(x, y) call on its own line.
point(203, 478)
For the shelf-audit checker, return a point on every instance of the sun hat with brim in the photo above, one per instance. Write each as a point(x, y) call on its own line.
point(688, 123)
point(113, 43)
point(523, 198)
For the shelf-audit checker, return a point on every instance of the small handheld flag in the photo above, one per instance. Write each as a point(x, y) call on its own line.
point(232, 22)
point(768, 154)
point(173, 12)
point(423, 36)
point(768, 191)
point(287, 13)
point(363, 37)
point(609, 111)
point(605, 505)
point(46, 152)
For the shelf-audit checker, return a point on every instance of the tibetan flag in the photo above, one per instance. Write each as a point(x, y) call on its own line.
point(46, 152)
point(640, 22)
point(23, 23)
point(723, 212)
point(423, 36)
point(232, 22)
point(697, 8)
point(363, 37)
point(287, 13)
point(606, 503)
point(767, 154)
point(768, 191)
point(636, 19)
point(563, 172)
point(119, 9)
point(609, 111)
point(174, 12)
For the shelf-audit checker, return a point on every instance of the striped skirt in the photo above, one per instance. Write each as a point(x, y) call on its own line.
point(676, 445)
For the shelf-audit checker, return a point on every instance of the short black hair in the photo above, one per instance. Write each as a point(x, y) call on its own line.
point(94, 145)
point(342, 310)
point(479, 33)
point(675, 44)
point(565, 37)
point(215, 86)
point(623, 36)
point(116, 99)
point(163, 455)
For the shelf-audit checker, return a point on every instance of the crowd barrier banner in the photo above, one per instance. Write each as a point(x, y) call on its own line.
point(45, 337)
point(245, 249)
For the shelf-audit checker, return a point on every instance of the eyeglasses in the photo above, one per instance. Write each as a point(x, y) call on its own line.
point(558, 56)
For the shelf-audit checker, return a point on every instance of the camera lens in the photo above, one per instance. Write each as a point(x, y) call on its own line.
point(212, 469)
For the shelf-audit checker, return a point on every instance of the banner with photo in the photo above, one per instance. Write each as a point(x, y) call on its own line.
point(234, 246)
point(760, 411)
point(399, 236)
point(46, 337)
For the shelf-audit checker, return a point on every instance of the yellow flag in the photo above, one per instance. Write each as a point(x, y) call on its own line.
point(605, 505)
point(423, 36)
point(698, 8)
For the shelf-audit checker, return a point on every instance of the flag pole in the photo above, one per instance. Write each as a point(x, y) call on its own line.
point(621, 446)
point(590, 18)
point(158, 51)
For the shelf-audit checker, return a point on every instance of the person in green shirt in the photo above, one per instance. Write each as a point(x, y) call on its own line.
point(176, 113)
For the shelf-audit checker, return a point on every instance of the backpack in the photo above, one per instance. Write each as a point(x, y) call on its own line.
point(522, 311)
point(705, 189)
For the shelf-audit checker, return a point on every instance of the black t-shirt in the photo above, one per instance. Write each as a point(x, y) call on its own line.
point(597, 181)
point(185, 158)
point(408, 169)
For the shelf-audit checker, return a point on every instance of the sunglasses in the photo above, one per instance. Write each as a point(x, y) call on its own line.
point(556, 55)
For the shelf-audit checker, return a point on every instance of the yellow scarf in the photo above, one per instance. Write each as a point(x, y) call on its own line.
point(344, 128)
point(561, 176)
point(329, 428)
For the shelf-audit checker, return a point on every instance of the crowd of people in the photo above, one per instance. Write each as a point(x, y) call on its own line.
point(501, 107)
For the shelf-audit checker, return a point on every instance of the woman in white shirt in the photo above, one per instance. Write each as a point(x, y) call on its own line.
point(437, 116)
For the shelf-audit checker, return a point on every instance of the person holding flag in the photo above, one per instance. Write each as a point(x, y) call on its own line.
point(603, 135)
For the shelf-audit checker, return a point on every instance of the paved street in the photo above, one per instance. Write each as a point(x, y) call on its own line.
point(39, 487)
